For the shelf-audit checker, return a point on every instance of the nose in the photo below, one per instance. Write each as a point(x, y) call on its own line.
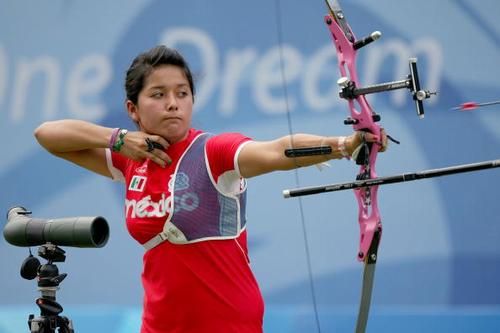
point(171, 102)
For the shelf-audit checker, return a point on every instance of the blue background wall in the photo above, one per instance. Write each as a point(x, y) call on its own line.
point(439, 261)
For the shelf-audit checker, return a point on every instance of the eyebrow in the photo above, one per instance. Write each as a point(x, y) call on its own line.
point(180, 85)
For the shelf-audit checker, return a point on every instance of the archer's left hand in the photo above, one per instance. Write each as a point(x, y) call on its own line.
point(360, 137)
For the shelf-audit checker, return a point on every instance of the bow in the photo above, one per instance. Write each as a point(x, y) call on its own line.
point(362, 118)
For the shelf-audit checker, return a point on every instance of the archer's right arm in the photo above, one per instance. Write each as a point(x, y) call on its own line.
point(77, 141)
point(84, 144)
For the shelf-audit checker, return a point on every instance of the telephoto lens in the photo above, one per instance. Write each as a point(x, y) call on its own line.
point(86, 232)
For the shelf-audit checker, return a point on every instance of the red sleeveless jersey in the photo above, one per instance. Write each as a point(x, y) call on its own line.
point(199, 287)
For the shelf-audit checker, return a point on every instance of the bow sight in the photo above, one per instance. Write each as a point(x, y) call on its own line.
point(412, 83)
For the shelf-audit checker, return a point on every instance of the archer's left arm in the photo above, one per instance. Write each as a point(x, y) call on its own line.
point(260, 157)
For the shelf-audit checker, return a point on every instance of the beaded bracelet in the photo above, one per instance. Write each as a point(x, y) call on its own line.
point(119, 140)
point(112, 139)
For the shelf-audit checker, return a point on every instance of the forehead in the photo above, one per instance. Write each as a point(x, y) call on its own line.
point(166, 75)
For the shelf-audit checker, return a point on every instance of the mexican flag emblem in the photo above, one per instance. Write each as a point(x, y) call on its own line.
point(137, 183)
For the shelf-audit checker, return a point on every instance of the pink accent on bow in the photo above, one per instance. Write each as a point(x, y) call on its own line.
point(369, 216)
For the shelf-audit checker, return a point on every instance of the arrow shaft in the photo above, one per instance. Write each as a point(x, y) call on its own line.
point(489, 103)
point(468, 106)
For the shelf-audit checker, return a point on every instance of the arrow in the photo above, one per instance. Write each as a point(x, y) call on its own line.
point(469, 106)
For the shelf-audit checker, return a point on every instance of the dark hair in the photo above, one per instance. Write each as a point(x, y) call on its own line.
point(144, 64)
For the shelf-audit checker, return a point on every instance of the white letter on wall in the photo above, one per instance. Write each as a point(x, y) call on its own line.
point(25, 72)
point(268, 76)
point(237, 63)
point(89, 77)
point(322, 66)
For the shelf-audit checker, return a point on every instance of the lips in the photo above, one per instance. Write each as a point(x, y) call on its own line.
point(173, 118)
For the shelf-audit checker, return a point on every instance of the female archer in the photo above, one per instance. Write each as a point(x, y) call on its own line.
point(186, 195)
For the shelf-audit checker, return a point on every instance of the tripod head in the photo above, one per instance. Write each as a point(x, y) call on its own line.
point(48, 283)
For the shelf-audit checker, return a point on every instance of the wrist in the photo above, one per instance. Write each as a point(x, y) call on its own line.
point(117, 139)
point(112, 138)
point(345, 146)
point(352, 143)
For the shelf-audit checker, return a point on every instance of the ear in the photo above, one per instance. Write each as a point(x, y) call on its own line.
point(132, 111)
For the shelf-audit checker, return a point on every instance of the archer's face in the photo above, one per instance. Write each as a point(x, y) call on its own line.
point(165, 104)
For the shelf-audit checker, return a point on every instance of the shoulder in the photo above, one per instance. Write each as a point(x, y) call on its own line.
point(222, 152)
point(230, 141)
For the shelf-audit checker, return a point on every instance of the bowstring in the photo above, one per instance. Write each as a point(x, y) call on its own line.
point(279, 28)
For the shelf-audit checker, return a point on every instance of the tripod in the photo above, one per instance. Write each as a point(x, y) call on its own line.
point(49, 279)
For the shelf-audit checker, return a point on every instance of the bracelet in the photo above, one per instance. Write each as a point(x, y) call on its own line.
point(112, 139)
point(342, 147)
point(119, 140)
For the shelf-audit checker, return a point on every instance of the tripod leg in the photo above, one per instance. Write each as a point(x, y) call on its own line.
point(66, 326)
point(40, 325)
point(34, 324)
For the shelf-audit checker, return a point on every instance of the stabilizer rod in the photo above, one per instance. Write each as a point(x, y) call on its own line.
point(405, 177)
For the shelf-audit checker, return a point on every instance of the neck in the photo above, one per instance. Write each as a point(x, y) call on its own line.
point(174, 139)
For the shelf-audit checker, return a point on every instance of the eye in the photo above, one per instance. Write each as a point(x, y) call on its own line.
point(182, 93)
point(157, 94)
